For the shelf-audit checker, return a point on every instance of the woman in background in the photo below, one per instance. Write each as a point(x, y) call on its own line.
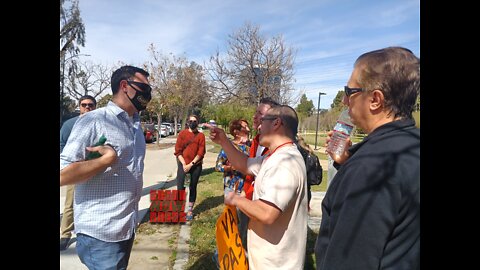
point(190, 150)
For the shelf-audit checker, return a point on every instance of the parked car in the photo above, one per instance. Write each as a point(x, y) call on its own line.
point(169, 127)
point(149, 132)
point(163, 130)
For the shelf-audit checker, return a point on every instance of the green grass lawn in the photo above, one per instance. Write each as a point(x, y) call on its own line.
point(323, 185)
point(310, 138)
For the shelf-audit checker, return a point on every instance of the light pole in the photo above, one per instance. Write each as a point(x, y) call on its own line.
point(318, 115)
point(64, 60)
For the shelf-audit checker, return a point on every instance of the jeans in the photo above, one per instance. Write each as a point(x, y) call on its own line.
point(100, 255)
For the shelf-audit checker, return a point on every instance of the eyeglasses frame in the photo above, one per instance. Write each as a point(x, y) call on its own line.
point(350, 91)
point(141, 85)
point(91, 105)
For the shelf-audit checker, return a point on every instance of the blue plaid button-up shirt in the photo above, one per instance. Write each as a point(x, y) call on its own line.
point(106, 205)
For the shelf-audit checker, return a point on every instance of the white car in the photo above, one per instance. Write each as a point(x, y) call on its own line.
point(163, 131)
point(169, 127)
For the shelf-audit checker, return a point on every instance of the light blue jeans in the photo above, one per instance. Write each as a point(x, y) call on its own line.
point(100, 255)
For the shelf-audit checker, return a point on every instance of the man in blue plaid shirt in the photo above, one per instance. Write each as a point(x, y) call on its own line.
point(108, 188)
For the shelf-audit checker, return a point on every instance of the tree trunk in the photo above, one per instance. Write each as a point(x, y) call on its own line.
point(159, 130)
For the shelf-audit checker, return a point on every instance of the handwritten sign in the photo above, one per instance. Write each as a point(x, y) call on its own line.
point(167, 206)
point(231, 254)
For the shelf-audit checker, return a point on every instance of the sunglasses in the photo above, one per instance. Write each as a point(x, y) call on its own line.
point(268, 118)
point(84, 105)
point(192, 121)
point(143, 86)
point(350, 91)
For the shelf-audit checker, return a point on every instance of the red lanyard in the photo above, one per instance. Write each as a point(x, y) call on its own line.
point(281, 145)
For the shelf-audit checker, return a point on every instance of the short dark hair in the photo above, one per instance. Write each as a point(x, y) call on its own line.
point(269, 101)
point(125, 73)
point(396, 72)
point(87, 97)
point(289, 118)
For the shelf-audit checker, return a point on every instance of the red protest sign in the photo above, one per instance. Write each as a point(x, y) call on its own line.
point(167, 206)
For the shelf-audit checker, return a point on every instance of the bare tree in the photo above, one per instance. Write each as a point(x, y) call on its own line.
point(253, 67)
point(87, 78)
point(178, 84)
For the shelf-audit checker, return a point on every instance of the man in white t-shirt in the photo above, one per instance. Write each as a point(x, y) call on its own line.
point(277, 230)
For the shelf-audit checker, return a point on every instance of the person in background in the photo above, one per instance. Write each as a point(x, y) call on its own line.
point(233, 179)
point(108, 188)
point(371, 211)
point(277, 230)
point(190, 150)
point(301, 142)
point(86, 103)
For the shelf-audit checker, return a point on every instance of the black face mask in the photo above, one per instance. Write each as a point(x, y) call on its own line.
point(193, 125)
point(141, 99)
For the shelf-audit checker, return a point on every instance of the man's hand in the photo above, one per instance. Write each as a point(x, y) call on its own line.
point(230, 197)
point(108, 154)
point(235, 156)
point(217, 135)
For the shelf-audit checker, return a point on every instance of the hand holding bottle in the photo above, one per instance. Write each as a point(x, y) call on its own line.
point(338, 140)
point(339, 158)
point(94, 152)
point(106, 152)
point(229, 196)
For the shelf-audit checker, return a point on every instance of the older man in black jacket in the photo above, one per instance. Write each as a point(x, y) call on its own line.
point(371, 211)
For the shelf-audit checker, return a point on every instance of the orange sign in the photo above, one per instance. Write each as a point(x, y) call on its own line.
point(231, 254)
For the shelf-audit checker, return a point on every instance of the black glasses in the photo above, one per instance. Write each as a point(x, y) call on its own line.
point(350, 91)
point(87, 104)
point(192, 121)
point(143, 86)
point(268, 118)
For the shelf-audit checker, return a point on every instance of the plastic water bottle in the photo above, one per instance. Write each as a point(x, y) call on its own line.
point(342, 130)
point(186, 183)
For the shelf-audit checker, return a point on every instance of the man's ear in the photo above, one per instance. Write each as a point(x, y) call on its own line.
point(277, 123)
point(123, 85)
point(376, 100)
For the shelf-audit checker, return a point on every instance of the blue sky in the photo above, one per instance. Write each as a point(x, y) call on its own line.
point(327, 34)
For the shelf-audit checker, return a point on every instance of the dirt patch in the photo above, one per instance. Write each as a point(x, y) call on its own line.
point(154, 247)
